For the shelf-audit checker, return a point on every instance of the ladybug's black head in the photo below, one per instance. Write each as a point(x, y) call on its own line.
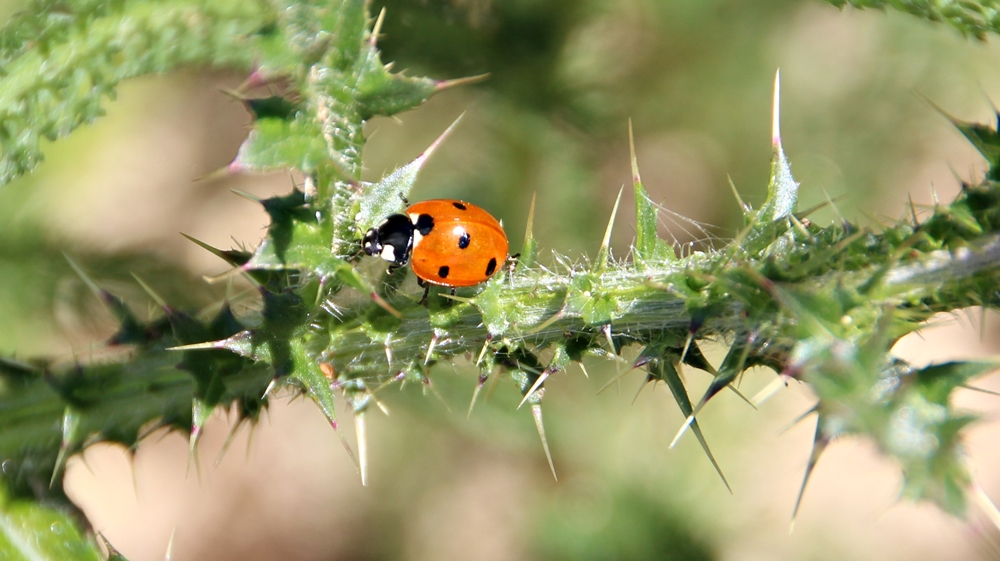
point(392, 240)
point(371, 243)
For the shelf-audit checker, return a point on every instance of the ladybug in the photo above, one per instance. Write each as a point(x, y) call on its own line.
point(447, 242)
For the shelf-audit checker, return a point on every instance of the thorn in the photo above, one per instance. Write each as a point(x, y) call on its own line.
point(206, 346)
point(536, 412)
point(606, 330)
point(631, 150)
point(534, 387)
point(343, 441)
point(385, 410)
point(708, 452)
point(152, 293)
point(214, 251)
point(229, 441)
point(773, 387)
point(745, 208)
point(482, 353)
point(361, 430)
point(84, 277)
point(531, 217)
point(270, 388)
point(475, 393)
point(493, 386)
point(800, 418)
point(430, 348)
point(134, 477)
point(388, 355)
point(913, 211)
point(681, 431)
point(385, 305)
point(820, 443)
point(687, 347)
point(799, 225)
point(740, 395)
point(373, 40)
point(462, 299)
point(193, 439)
point(616, 378)
point(642, 386)
point(224, 171)
point(399, 377)
point(776, 119)
point(982, 323)
point(434, 390)
point(833, 204)
point(437, 141)
point(248, 196)
point(70, 426)
point(980, 390)
point(112, 552)
point(987, 505)
point(169, 554)
point(604, 253)
point(584, 370)
point(446, 84)
point(555, 317)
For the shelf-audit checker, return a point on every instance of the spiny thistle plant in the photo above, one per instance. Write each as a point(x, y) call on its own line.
point(820, 305)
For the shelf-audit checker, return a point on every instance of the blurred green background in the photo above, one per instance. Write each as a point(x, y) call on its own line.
point(695, 77)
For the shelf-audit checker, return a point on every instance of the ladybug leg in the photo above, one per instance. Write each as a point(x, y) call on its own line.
point(453, 291)
point(427, 291)
point(511, 263)
point(358, 252)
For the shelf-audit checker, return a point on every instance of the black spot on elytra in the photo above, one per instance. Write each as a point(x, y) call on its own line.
point(424, 224)
point(491, 266)
point(463, 242)
point(443, 272)
point(459, 206)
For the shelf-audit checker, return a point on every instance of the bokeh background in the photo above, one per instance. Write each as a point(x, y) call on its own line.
point(695, 77)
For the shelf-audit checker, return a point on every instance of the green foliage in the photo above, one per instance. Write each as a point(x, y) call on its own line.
point(30, 532)
point(820, 304)
point(663, 535)
point(60, 62)
point(971, 17)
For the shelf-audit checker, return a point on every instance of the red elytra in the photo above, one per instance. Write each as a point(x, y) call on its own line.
point(447, 242)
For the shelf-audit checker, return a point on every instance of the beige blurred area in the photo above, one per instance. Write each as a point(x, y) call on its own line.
point(444, 487)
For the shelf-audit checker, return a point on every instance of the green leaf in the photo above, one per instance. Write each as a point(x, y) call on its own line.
point(279, 143)
point(295, 238)
point(587, 297)
point(58, 79)
point(665, 368)
point(388, 196)
point(382, 93)
point(650, 249)
point(529, 251)
point(937, 381)
point(29, 532)
point(782, 190)
point(985, 138)
point(970, 17)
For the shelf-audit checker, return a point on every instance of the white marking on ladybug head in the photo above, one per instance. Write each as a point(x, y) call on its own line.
point(417, 237)
point(388, 253)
